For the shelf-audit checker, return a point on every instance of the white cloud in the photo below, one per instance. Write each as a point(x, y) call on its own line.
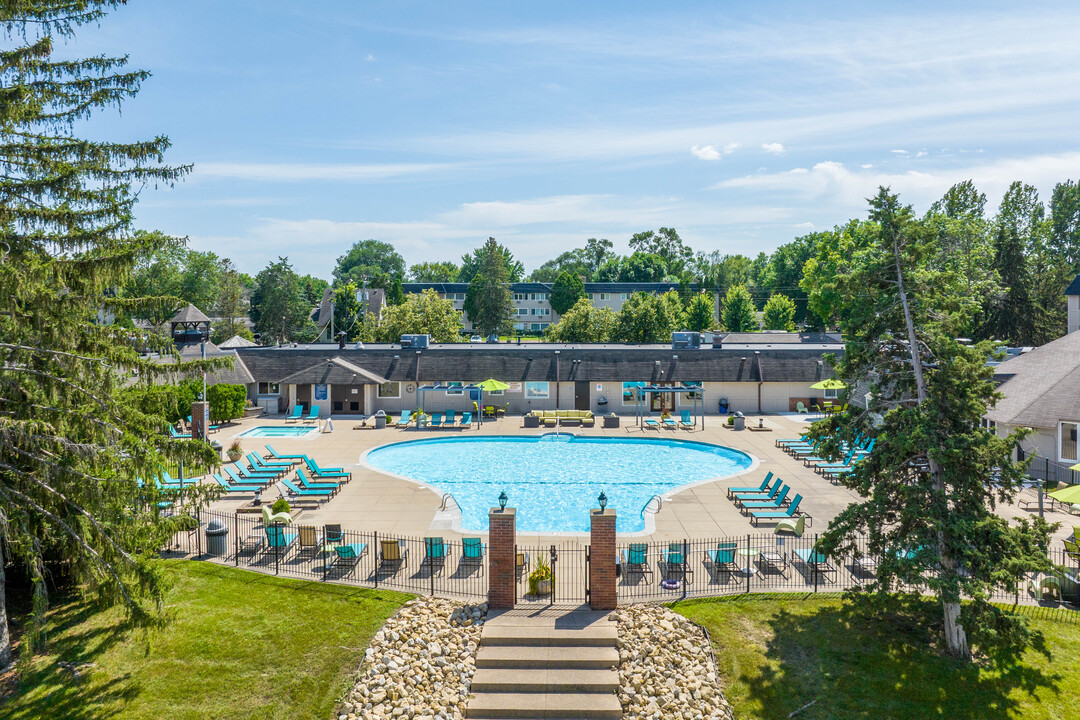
point(731, 147)
point(707, 152)
point(290, 172)
point(867, 166)
point(921, 153)
point(369, 58)
point(774, 147)
point(899, 152)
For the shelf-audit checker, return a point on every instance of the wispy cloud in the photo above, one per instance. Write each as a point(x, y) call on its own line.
point(706, 152)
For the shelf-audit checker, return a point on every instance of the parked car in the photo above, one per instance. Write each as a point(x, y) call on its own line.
point(476, 339)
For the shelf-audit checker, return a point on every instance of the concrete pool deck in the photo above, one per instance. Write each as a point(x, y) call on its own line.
point(374, 501)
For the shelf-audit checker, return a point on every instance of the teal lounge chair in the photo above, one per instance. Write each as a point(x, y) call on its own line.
point(816, 561)
point(635, 559)
point(406, 418)
point(297, 414)
point(764, 487)
point(669, 422)
point(348, 555)
point(287, 489)
point(472, 554)
point(792, 510)
point(320, 472)
point(278, 539)
point(722, 560)
point(685, 421)
point(178, 435)
point(230, 470)
point(434, 554)
point(783, 442)
point(652, 423)
point(302, 477)
point(436, 420)
point(278, 456)
point(775, 502)
point(313, 415)
point(741, 497)
point(451, 416)
point(466, 419)
point(251, 474)
point(209, 428)
point(256, 463)
point(676, 564)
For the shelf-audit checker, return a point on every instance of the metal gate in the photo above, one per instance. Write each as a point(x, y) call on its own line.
point(567, 569)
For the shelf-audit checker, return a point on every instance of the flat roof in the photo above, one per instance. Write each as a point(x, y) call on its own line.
point(525, 347)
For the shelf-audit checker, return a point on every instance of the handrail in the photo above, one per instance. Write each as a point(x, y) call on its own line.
point(659, 504)
point(448, 496)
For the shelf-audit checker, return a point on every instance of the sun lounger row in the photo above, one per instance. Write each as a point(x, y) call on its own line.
point(767, 501)
point(435, 419)
point(297, 414)
point(684, 422)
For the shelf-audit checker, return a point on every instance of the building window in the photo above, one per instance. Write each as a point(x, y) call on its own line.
point(269, 389)
point(540, 296)
point(628, 389)
point(518, 297)
point(523, 311)
point(689, 397)
point(604, 296)
point(493, 393)
point(832, 393)
point(454, 384)
point(624, 297)
point(1067, 447)
point(536, 390)
point(390, 390)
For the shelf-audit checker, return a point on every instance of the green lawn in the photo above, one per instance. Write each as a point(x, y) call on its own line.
point(239, 645)
point(777, 654)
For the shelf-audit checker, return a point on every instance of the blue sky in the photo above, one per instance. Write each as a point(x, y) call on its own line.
point(434, 125)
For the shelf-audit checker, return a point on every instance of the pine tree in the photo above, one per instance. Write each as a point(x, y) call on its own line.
point(779, 313)
point(931, 481)
point(488, 301)
point(72, 444)
point(1009, 316)
point(738, 313)
point(230, 303)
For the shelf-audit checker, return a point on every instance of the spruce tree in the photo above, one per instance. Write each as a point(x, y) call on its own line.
point(488, 301)
point(71, 446)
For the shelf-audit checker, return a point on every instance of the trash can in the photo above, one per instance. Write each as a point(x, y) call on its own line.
point(740, 421)
point(723, 405)
point(217, 537)
point(380, 420)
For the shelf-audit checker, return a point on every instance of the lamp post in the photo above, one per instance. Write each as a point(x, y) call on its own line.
point(602, 499)
point(502, 500)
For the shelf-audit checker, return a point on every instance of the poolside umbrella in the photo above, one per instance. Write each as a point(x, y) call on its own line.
point(830, 384)
point(491, 385)
point(1069, 495)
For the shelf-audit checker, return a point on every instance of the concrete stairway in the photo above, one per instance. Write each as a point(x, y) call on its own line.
point(549, 665)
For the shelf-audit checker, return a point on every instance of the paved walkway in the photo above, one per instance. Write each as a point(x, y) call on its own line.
point(378, 502)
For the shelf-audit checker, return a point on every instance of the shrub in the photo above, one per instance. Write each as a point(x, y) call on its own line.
point(226, 401)
point(281, 505)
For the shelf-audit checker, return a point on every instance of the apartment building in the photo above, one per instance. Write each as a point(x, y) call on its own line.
point(532, 300)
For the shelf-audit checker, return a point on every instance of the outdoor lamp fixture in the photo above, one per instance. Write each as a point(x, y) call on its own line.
point(602, 499)
point(502, 500)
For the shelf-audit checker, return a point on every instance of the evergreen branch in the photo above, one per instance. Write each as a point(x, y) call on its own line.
point(101, 403)
point(52, 352)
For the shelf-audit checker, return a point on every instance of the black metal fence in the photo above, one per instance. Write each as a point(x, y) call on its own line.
point(423, 566)
point(568, 563)
point(1042, 468)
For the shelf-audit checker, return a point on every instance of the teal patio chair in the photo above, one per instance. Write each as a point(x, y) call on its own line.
point(434, 554)
point(466, 419)
point(763, 488)
point(635, 559)
point(406, 418)
point(348, 555)
point(758, 515)
point(296, 415)
point(472, 554)
point(275, 455)
point(684, 420)
point(231, 488)
point(313, 415)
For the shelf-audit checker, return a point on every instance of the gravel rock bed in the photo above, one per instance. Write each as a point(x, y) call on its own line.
point(420, 664)
point(665, 667)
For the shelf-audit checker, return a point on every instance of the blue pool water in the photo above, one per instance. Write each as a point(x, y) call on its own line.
point(279, 431)
point(553, 483)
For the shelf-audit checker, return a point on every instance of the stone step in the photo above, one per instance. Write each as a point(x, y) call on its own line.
point(545, 681)
point(583, 658)
point(595, 636)
point(505, 706)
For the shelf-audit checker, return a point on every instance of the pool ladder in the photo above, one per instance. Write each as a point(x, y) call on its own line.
point(446, 497)
point(659, 504)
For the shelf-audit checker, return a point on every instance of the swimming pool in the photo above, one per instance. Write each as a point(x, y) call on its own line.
point(279, 431)
point(554, 481)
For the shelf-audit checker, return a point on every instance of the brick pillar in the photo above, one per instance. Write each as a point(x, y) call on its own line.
point(602, 560)
point(502, 538)
point(200, 419)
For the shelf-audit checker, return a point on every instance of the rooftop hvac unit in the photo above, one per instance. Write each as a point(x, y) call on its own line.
point(415, 341)
point(685, 340)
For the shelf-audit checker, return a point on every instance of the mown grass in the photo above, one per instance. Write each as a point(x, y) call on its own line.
point(777, 654)
point(238, 645)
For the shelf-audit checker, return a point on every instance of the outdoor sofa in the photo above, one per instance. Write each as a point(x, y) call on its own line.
point(550, 417)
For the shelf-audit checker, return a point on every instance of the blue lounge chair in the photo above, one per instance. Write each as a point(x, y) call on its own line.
point(229, 487)
point(406, 418)
point(792, 510)
point(320, 472)
point(685, 421)
point(348, 555)
point(178, 435)
point(451, 416)
point(332, 488)
point(676, 564)
point(297, 414)
point(722, 559)
point(764, 487)
point(636, 560)
point(741, 497)
point(816, 561)
point(253, 474)
point(239, 479)
point(287, 489)
point(783, 442)
point(669, 422)
point(436, 420)
point(274, 454)
point(652, 423)
point(313, 415)
point(257, 464)
point(776, 501)
point(434, 554)
point(472, 553)
point(278, 539)
point(466, 419)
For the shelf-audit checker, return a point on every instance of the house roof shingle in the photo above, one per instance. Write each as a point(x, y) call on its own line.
point(1041, 387)
point(189, 314)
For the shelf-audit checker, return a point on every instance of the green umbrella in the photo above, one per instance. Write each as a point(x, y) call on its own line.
point(1069, 495)
point(830, 384)
point(493, 385)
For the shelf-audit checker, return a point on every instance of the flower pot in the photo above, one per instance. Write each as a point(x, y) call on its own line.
point(543, 587)
point(234, 456)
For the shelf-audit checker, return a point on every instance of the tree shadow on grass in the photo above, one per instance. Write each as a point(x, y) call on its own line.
point(850, 662)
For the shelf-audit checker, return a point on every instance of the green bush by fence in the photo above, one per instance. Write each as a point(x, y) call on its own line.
point(226, 401)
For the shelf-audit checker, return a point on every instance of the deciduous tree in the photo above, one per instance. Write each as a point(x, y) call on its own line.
point(700, 314)
point(444, 271)
point(368, 258)
point(471, 263)
point(583, 323)
point(646, 318)
point(566, 291)
point(738, 312)
point(421, 314)
point(779, 313)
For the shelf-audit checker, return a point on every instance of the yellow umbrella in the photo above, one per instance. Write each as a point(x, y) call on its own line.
point(1069, 495)
point(493, 385)
point(830, 384)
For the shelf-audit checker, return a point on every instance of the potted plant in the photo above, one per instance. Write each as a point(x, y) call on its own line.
point(235, 452)
point(541, 580)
